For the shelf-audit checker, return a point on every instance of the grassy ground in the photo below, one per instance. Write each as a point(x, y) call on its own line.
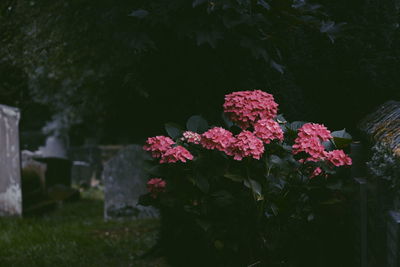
point(76, 235)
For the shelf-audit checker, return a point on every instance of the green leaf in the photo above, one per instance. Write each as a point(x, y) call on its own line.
point(328, 145)
point(234, 177)
point(140, 13)
point(203, 224)
point(274, 159)
point(294, 126)
point(198, 2)
point(197, 124)
point(281, 119)
point(202, 183)
point(254, 186)
point(173, 130)
point(264, 4)
point(341, 138)
point(228, 122)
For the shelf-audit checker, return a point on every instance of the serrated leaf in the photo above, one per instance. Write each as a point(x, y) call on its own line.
point(228, 122)
point(274, 159)
point(202, 183)
point(254, 186)
point(264, 4)
point(281, 119)
point(278, 67)
point(328, 145)
point(234, 177)
point(197, 124)
point(341, 138)
point(294, 126)
point(173, 130)
point(203, 224)
point(274, 209)
point(198, 2)
point(139, 13)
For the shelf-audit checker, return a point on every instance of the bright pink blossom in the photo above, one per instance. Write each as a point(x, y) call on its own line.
point(156, 186)
point(158, 145)
point(175, 154)
point(268, 130)
point(246, 145)
point(314, 130)
point(338, 158)
point(191, 137)
point(310, 145)
point(247, 107)
point(217, 138)
point(318, 171)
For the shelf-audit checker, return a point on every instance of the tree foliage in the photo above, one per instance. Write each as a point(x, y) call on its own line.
point(99, 63)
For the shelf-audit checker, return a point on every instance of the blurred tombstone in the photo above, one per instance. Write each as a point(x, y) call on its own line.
point(81, 173)
point(10, 165)
point(393, 239)
point(361, 222)
point(382, 128)
point(124, 182)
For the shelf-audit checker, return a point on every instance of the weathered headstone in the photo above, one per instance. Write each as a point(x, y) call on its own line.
point(124, 182)
point(393, 239)
point(383, 126)
point(361, 220)
point(10, 165)
point(81, 173)
point(382, 129)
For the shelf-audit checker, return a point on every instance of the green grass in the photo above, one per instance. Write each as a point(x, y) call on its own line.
point(76, 235)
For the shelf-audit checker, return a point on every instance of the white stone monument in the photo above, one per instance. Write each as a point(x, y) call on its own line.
point(10, 165)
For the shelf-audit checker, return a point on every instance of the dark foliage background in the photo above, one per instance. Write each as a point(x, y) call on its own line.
point(116, 71)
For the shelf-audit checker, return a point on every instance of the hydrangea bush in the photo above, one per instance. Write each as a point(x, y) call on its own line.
point(244, 193)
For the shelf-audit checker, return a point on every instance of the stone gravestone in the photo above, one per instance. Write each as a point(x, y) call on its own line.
point(124, 182)
point(382, 129)
point(81, 173)
point(10, 165)
point(393, 239)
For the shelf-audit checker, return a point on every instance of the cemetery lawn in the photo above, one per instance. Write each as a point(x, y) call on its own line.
point(76, 235)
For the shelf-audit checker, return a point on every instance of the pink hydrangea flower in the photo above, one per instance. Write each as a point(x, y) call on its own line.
point(217, 138)
point(268, 130)
point(158, 145)
point(156, 186)
point(246, 144)
point(318, 171)
point(314, 130)
point(310, 145)
point(191, 137)
point(338, 158)
point(247, 107)
point(175, 154)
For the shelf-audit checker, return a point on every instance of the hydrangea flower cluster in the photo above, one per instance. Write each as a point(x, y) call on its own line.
point(156, 186)
point(247, 107)
point(161, 147)
point(338, 158)
point(309, 140)
point(217, 138)
point(246, 144)
point(175, 154)
point(268, 130)
point(319, 131)
point(158, 145)
point(191, 137)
